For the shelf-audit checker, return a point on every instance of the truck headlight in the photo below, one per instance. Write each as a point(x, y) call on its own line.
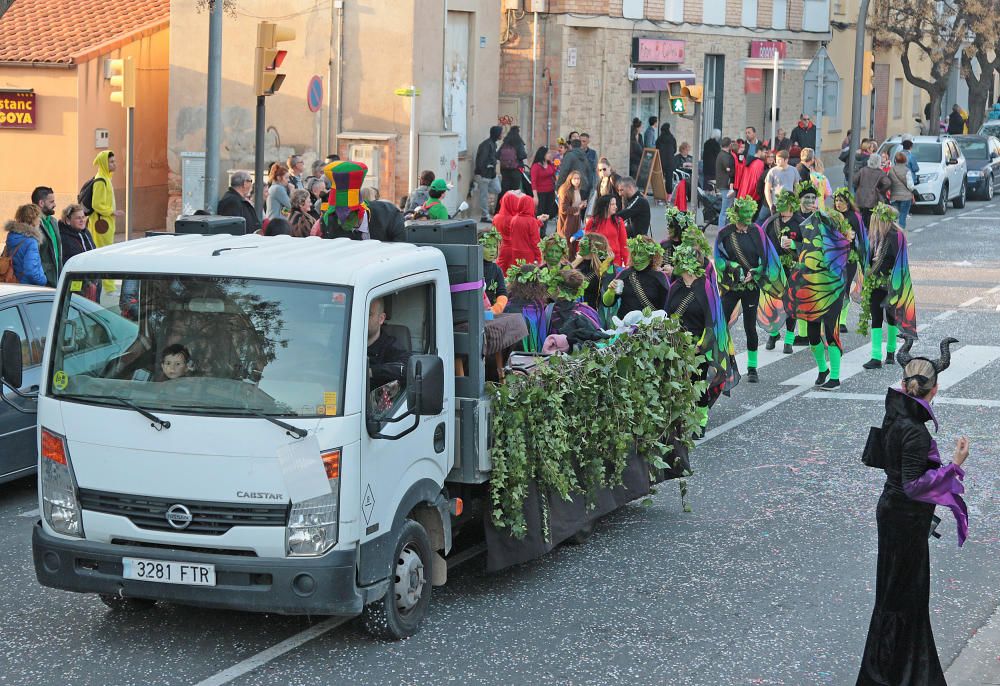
point(60, 505)
point(313, 524)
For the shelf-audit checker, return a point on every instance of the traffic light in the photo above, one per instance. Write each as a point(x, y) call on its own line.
point(692, 92)
point(123, 79)
point(675, 89)
point(266, 79)
point(677, 105)
point(867, 72)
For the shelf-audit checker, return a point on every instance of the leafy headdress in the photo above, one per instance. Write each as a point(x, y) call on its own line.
point(566, 284)
point(786, 201)
point(551, 241)
point(884, 213)
point(844, 193)
point(686, 260)
point(694, 237)
point(807, 187)
point(742, 211)
point(645, 248)
point(490, 242)
point(678, 220)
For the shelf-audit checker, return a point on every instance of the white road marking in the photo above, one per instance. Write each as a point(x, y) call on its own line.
point(998, 308)
point(755, 412)
point(963, 263)
point(849, 366)
point(764, 356)
point(30, 513)
point(944, 315)
point(995, 289)
point(876, 397)
point(968, 360)
point(275, 651)
point(971, 301)
point(917, 230)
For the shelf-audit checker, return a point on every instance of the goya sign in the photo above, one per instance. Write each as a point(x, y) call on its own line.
point(17, 109)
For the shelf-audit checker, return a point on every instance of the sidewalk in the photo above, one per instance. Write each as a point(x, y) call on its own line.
point(979, 662)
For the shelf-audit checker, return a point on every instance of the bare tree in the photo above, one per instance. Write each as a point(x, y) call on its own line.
point(982, 49)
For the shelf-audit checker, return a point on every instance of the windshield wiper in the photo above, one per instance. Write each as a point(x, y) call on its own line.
point(293, 431)
point(157, 423)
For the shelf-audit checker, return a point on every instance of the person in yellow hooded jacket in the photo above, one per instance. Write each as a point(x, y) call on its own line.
point(101, 221)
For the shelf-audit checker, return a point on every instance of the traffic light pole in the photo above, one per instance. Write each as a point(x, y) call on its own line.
point(130, 172)
point(213, 107)
point(859, 56)
point(696, 158)
point(258, 160)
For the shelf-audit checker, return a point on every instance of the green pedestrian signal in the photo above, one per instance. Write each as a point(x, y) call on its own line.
point(677, 105)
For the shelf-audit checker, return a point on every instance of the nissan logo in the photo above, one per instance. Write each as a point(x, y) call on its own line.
point(178, 516)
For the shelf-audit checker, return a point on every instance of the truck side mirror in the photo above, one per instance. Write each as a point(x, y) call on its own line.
point(425, 385)
point(10, 359)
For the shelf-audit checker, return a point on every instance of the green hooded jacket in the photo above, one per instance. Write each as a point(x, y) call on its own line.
point(51, 251)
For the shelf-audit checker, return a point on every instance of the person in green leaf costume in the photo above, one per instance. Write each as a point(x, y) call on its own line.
point(555, 251)
point(642, 285)
point(568, 316)
point(857, 260)
point(747, 266)
point(594, 259)
point(496, 287)
point(529, 297)
point(782, 229)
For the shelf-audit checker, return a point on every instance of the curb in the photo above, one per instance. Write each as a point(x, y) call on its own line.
point(978, 664)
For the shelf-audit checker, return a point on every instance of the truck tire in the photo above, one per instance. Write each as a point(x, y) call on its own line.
point(402, 609)
point(124, 605)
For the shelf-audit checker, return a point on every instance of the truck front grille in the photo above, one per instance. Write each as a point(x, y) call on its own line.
point(207, 518)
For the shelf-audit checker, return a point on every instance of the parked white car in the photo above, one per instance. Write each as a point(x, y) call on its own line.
point(943, 175)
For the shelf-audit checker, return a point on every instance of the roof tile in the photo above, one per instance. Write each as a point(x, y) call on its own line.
point(56, 30)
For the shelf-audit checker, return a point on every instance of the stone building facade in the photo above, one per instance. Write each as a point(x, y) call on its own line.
point(600, 81)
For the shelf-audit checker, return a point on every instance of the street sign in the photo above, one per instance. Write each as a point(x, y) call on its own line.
point(677, 105)
point(314, 94)
point(407, 92)
point(831, 85)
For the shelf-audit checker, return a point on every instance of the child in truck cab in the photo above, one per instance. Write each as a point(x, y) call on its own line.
point(176, 359)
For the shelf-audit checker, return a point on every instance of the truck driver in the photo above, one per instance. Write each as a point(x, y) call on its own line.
point(386, 358)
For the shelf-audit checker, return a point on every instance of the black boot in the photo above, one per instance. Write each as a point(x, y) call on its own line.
point(843, 328)
point(752, 375)
point(821, 379)
point(872, 364)
point(890, 358)
point(771, 342)
point(831, 385)
point(787, 350)
point(801, 340)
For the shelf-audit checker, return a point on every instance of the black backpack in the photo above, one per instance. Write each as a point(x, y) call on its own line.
point(86, 196)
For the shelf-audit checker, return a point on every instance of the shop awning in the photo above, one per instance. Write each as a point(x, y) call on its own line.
point(656, 80)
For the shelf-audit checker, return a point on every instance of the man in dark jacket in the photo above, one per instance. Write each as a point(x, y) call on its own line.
point(725, 171)
point(576, 160)
point(635, 208)
point(804, 135)
point(486, 172)
point(385, 222)
point(51, 250)
point(956, 122)
point(234, 203)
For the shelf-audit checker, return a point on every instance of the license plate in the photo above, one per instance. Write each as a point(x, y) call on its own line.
point(164, 572)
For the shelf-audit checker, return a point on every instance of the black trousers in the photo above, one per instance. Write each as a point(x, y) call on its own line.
point(547, 205)
point(510, 180)
point(828, 327)
point(748, 300)
point(878, 297)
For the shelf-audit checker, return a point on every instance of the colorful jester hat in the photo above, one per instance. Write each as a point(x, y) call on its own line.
point(742, 212)
point(344, 199)
point(490, 242)
point(554, 249)
point(565, 284)
point(884, 213)
point(642, 251)
point(786, 201)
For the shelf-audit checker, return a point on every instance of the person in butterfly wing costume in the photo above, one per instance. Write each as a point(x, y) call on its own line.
point(782, 230)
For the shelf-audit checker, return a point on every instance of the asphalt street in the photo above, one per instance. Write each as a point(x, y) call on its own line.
point(770, 580)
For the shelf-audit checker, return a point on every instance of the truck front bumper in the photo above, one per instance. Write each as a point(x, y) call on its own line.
point(316, 586)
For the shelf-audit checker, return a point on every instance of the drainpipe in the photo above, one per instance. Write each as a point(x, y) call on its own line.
point(339, 4)
point(534, 72)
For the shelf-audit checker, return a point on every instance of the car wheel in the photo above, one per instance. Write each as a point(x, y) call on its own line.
point(403, 607)
point(989, 187)
point(942, 204)
point(959, 202)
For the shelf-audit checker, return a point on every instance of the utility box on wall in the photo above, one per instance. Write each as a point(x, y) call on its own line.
point(439, 153)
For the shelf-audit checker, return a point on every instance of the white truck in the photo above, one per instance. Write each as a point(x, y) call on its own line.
point(264, 424)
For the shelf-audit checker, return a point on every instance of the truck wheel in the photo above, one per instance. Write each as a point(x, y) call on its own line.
point(942, 205)
point(959, 202)
point(399, 613)
point(582, 536)
point(125, 605)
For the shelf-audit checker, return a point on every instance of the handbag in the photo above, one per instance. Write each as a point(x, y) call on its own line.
point(873, 454)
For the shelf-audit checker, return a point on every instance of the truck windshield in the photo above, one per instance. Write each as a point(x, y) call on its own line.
point(202, 344)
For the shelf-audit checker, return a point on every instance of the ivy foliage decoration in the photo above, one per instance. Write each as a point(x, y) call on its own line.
point(569, 426)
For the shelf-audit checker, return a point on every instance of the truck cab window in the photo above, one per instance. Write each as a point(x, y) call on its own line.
point(399, 325)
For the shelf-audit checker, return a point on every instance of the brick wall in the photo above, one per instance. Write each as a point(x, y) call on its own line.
point(599, 7)
point(692, 11)
point(734, 13)
point(516, 75)
point(655, 10)
point(765, 10)
point(795, 8)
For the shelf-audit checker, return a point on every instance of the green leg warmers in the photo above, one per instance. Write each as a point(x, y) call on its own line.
point(801, 328)
point(820, 356)
point(890, 338)
point(877, 344)
point(835, 356)
point(789, 337)
point(751, 359)
point(702, 416)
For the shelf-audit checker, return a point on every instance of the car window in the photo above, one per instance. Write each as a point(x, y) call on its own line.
point(976, 149)
point(10, 320)
point(39, 314)
point(990, 129)
point(953, 150)
point(927, 152)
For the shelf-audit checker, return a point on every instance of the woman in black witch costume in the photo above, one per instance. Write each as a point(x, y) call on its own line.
point(900, 648)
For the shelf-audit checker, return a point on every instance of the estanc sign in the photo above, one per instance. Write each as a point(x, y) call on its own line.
point(17, 109)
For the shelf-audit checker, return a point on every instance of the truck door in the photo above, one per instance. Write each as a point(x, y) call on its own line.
point(401, 322)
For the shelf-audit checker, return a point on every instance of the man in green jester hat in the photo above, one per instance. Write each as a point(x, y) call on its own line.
point(496, 287)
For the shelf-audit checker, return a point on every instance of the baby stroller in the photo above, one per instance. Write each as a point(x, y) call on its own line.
point(711, 206)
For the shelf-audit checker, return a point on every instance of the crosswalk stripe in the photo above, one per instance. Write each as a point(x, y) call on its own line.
point(764, 356)
point(971, 301)
point(850, 365)
point(876, 397)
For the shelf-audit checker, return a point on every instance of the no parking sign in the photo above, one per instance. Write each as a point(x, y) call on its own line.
point(314, 94)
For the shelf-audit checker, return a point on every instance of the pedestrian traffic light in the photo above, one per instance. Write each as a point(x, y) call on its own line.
point(266, 79)
point(675, 88)
point(123, 79)
point(867, 72)
point(677, 105)
point(692, 92)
